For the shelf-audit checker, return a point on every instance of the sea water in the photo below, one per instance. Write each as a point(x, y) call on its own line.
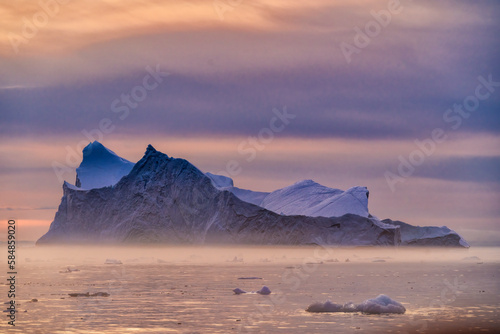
point(190, 289)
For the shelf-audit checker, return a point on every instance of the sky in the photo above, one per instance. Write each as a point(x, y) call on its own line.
point(402, 97)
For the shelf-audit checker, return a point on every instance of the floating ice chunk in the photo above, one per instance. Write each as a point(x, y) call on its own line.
point(328, 306)
point(112, 261)
point(238, 291)
point(88, 294)
point(252, 277)
point(264, 291)
point(69, 270)
point(381, 304)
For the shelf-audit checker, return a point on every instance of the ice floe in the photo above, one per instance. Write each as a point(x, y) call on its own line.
point(379, 305)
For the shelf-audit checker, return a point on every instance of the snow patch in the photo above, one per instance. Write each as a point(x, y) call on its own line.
point(312, 199)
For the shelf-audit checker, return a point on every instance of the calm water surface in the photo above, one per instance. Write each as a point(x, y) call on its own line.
point(189, 290)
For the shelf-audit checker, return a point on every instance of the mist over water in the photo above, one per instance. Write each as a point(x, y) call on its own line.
point(189, 289)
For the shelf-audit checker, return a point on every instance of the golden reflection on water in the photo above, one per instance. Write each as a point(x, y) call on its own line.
point(189, 289)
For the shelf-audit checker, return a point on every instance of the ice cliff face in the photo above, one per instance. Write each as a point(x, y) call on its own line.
point(431, 236)
point(169, 200)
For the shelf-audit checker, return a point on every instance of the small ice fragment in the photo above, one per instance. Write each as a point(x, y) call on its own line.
point(264, 291)
point(381, 304)
point(88, 294)
point(238, 291)
point(252, 277)
point(328, 306)
point(112, 261)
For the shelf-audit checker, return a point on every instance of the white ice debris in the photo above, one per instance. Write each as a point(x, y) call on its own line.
point(69, 270)
point(263, 291)
point(238, 291)
point(251, 277)
point(327, 306)
point(378, 305)
point(381, 304)
point(112, 261)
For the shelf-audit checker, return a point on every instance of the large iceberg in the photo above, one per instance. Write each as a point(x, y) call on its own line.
point(163, 199)
point(168, 200)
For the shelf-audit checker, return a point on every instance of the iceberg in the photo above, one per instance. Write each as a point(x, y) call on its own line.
point(161, 199)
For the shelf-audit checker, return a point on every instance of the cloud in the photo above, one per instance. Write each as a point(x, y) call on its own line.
point(345, 104)
point(468, 169)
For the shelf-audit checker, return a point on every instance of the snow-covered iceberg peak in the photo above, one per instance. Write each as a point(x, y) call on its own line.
point(100, 167)
point(312, 199)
